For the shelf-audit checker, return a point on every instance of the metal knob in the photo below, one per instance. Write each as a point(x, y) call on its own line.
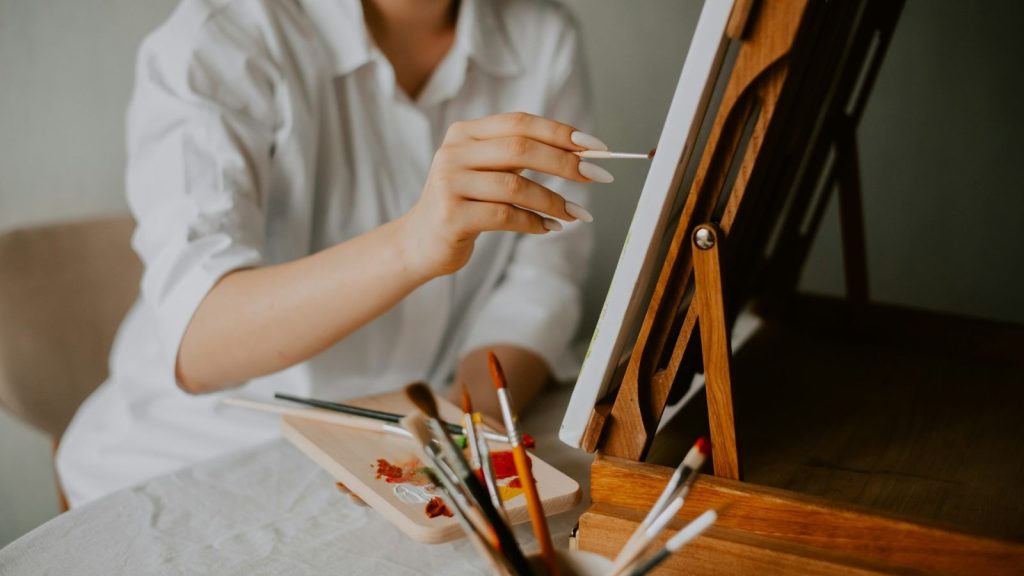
point(704, 238)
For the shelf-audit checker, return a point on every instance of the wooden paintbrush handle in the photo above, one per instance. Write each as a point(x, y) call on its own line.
point(535, 509)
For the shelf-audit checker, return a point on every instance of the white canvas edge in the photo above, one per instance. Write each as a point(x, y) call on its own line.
point(634, 269)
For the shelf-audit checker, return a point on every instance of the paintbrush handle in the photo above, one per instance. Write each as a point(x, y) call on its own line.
point(343, 408)
point(634, 549)
point(686, 535)
point(488, 468)
point(315, 414)
point(378, 414)
point(464, 513)
point(481, 498)
point(535, 508)
point(604, 154)
point(472, 442)
point(650, 563)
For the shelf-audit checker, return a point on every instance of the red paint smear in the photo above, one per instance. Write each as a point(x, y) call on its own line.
point(436, 507)
point(515, 483)
point(505, 465)
point(389, 472)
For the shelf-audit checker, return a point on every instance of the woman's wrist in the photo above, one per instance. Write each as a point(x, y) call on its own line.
point(409, 250)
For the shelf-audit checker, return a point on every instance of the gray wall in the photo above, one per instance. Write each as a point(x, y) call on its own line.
point(943, 198)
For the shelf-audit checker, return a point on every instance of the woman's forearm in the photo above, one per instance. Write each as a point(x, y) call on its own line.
point(258, 321)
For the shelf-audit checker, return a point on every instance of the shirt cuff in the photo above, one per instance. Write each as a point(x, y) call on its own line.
point(213, 258)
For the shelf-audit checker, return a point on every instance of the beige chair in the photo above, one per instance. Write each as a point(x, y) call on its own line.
point(63, 292)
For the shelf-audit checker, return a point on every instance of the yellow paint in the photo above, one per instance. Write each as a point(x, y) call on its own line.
point(506, 493)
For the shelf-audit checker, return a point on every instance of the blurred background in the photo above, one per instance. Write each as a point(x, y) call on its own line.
point(940, 151)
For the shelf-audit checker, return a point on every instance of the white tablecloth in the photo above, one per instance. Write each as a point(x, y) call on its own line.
point(269, 510)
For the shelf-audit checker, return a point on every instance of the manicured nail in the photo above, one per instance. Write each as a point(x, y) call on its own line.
point(587, 141)
point(552, 225)
point(578, 212)
point(596, 173)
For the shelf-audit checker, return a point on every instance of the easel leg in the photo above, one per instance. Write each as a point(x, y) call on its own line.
point(714, 337)
point(851, 217)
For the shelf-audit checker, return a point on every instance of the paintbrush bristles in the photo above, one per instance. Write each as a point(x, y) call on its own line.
point(421, 395)
point(416, 424)
point(497, 374)
point(467, 401)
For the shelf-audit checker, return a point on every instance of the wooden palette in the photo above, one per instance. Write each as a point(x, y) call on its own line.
point(350, 456)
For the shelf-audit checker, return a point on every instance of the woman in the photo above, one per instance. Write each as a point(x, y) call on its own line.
point(332, 202)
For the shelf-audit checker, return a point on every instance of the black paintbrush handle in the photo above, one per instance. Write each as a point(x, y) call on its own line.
point(345, 408)
point(506, 538)
point(357, 411)
point(652, 562)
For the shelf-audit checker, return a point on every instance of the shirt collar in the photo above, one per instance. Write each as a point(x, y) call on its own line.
point(479, 34)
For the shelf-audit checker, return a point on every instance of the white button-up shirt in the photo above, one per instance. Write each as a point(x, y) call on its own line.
point(261, 131)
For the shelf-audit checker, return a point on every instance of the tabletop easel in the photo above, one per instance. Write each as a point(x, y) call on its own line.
point(783, 137)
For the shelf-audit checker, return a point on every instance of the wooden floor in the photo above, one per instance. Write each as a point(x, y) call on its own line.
point(911, 414)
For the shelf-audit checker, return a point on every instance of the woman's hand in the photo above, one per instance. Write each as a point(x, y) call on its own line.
point(287, 313)
point(475, 186)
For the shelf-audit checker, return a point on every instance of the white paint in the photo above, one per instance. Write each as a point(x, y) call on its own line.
point(413, 494)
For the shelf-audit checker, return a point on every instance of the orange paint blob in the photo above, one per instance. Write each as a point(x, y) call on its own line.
point(388, 471)
point(436, 507)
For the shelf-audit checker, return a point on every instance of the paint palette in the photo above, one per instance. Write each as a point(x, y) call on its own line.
point(381, 468)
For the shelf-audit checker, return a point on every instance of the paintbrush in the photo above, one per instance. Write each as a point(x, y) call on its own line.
point(387, 416)
point(472, 524)
point(680, 539)
point(480, 450)
point(471, 431)
point(522, 461)
point(605, 154)
point(668, 503)
point(423, 398)
point(319, 415)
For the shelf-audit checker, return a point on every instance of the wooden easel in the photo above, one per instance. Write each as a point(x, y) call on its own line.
point(784, 135)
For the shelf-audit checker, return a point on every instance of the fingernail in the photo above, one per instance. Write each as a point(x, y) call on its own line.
point(596, 173)
point(578, 212)
point(552, 225)
point(587, 141)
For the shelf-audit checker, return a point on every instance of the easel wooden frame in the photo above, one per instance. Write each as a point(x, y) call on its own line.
point(763, 142)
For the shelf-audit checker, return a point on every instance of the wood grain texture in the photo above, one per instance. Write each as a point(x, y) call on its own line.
point(350, 456)
point(714, 339)
point(752, 90)
point(595, 426)
point(626, 489)
point(739, 18)
point(722, 551)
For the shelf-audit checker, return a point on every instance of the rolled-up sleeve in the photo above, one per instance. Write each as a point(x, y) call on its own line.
point(537, 305)
point(200, 134)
